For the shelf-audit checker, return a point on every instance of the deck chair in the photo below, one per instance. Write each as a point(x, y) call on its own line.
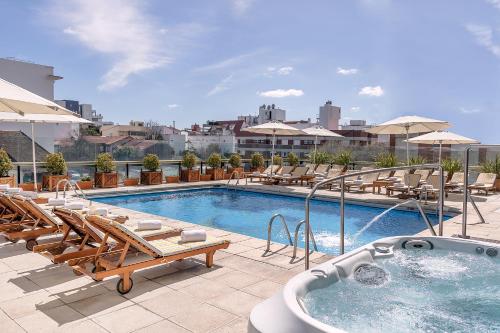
point(9, 212)
point(431, 187)
point(81, 240)
point(332, 173)
point(272, 169)
point(384, 175)
point(424, 174)
point(411, 181)
point(321, 170)
point(484, 182)
point(36, 223)
point(436, 173)
point(310, 168)
point(295, 176)
point(399, 175)
point(156, 252)
point(364, 182)
point(456, 182)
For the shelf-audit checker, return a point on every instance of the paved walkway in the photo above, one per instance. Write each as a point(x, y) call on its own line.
point(37, 296)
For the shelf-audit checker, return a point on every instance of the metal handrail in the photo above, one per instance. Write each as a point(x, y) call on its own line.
point(269, 228)
point(74, 187)
point(296, 237)
point(237, 179)
point(424, 216)
point(466, 192)
point(341, 178)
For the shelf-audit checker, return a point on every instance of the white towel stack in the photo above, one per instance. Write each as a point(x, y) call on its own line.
point(100, 211)
point(149, 225)
point(4, 187)
point(76, 205)
point(198, 235)
point(14, 190)
point(56, 202)
point(29, 194)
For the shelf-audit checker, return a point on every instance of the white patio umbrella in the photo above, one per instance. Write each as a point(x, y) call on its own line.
point(274, 128)
point(407, 125)
point(320, 131)
point(20, 105)
point(442, 138)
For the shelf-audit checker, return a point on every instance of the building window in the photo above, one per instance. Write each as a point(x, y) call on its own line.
point(290, 142)
point(278, 142)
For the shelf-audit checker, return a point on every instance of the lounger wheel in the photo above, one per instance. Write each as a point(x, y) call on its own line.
point(30, 244)
point(14, 241)
point(77, 272)
point(121, 290)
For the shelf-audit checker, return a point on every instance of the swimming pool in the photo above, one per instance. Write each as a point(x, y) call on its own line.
point(248, 213)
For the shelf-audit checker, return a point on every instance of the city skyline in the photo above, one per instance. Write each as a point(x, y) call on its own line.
point(191, 63)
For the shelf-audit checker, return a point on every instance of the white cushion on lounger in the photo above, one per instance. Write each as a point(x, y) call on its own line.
point(99, 211)
point(56, 202)
point(479, 184)
point(14, 190)
point(287, 175)
point(29, 194)
point(77, 205)
point(4, 187)
point(256, 173)
point(399, 185)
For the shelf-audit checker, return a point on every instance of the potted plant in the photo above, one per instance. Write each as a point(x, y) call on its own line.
point(5, 167)
point(493, 166)
point(56, 171)
point(343, 158)
point(188, 174)
point(172, 179)
point(152, 176)
point(106, 177)
point(293, 159)
point(451, 166)
point(257, 162)
point(277, 160)
point(131, 182)
point(417, 160)
point(235, 165)
point(214, 161)
point(85, 183)
point(386, 160)
point(30, 186)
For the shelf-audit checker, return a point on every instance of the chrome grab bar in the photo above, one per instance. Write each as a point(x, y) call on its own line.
point(341, 178)
point(238, 179)
point(269, 228)
point(74, 187)
point(424, 216)
point(296, 237)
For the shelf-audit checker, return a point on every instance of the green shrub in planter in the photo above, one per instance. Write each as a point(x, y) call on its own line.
point(151, 162)
point(417, 160)
point(257, 160)
point(277, 160)
point(343, 158)
point(235, 160)
point(105, 163)
point(451, 166)
point(386, 160)
point(214, 161)
point(85, 179)
point(492, 166)
point(293, 159)
point(5, 163)
point(56, 165)
point(319, 157)
point(189, 160)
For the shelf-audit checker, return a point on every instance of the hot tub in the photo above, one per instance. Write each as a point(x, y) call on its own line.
point(397, 284)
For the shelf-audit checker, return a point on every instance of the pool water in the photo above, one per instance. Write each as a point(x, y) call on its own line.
point(425, 291)
point(248, 213)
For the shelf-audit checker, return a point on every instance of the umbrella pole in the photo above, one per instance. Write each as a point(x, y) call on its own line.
point(315, 147)
point(33, 154)
point(440, 147)
point(407, 147)
point(272, 152)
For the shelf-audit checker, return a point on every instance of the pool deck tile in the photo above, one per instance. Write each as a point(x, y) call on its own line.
point(37, 296)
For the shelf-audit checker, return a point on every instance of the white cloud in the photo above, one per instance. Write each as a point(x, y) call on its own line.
point(355, 109)
point(469, 111)
point(495, 3)
point(280, 93)
point(226, 63)
point(240, 7)
point(285, 70)
point(375, 91)
point(173, 106)
point(484, 37)
point(347, 71)
point(223, 85)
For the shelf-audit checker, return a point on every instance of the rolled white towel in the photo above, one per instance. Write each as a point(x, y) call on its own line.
point(256, 173)
point(77, 205)
point(149, 225)
point(100, 211)
point(287, 175)
point(198, 235)
point(4, 187)
point(399, 185)
point(56, 202)
point(392, 178)
point(14, 190)
point(357, 182)
point(29, 194)
point(427, 187)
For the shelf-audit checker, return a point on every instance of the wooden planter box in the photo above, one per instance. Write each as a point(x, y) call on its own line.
point(30, 186)
point(172, 179)
point(131, 181)
point(85, 184)
point(205, 178)
point(261, 169)
point(497, 185)
point(190, 175)
point(227, 176)
point(216, 174)
point(151, 177)
point(8, 180)
point(49, 182)
point(106, 179)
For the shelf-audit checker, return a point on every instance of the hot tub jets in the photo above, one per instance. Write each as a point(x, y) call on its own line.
point(370, 275)
point(417, 244)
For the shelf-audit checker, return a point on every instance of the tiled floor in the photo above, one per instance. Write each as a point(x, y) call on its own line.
point(37, 296)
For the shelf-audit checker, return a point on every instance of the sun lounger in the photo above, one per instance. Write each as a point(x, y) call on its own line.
point(384, 175)
point(284, 171)
point(411, 181)
point(430, 187)
point(310, 168)
point(155, 252)
point(321, 170)
point(364, 182)
point(398, 175)
point(9, 211)
point(81, 240)
point(295, 176)
point(424, 174)
point(270, 170)
point(456, 182)
point(36, 223)
point(332, 173)
point(484, 182)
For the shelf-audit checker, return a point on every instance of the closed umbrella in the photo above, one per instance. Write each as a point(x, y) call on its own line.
point(20, 105)
point(442, 138)
point(320, 131)
point(407, 125)
point(274, 128)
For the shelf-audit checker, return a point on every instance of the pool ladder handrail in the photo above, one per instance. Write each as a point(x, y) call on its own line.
point(296, 238)
point(269, 229)
point(237, 179)
point(341, 179)
point(73, 187)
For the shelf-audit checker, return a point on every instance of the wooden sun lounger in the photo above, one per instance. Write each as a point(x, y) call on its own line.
point(157, 252)
point(9, 211)
point(295, 176)
point(272, 169)
point(38, 222)
point(411, 182)
point(485, 182)
point(365, 182)
point(273, 180)
point(87, 240)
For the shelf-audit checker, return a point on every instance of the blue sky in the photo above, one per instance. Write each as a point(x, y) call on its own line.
point(190, 61)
